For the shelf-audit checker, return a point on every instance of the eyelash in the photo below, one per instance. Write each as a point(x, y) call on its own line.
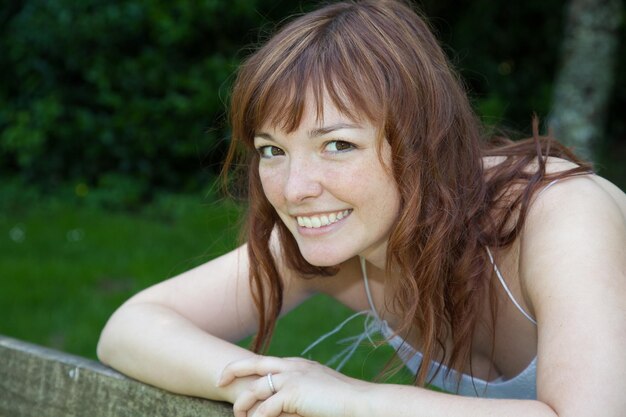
point(262, 149)
point(350, 145)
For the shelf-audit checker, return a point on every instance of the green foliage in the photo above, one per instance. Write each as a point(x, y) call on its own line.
point(133, 88)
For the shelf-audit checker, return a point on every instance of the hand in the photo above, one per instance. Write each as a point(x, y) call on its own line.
point(302, 387)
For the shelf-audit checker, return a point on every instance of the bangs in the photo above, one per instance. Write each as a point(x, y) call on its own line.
point(311, 81)
point(331, 64)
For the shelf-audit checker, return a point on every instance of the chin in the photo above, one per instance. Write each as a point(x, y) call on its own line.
point(324, 263)
point(325, 259)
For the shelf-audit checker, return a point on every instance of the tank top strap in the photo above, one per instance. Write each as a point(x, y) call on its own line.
point(367, 288)
point(550, 184)
point(499, 274)
point(507, 290)
point(501, 278)
point(371, 326)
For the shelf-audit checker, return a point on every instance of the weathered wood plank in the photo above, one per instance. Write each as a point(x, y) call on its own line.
point(41, 382)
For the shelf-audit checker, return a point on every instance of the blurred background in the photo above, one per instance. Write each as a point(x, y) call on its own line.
point(112, 132)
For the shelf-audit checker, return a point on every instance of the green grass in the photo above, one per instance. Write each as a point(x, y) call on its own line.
point(65, 265)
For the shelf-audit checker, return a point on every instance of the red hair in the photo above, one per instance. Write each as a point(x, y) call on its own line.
point(379, 60)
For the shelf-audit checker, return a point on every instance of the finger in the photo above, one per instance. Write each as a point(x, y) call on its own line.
point(260, 365)
point(228, 374)
point(256, 392)
point(241, 410)
point(251, 412)
point(243, 405)
point(272, 407)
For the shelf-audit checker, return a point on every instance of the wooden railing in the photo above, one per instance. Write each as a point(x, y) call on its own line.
point(41, 382)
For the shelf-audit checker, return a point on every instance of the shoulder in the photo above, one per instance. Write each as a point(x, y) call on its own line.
point(583, 206)
point(575, 203)
point(575, 229)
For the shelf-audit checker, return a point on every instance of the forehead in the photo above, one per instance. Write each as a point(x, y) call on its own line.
point(316, 117)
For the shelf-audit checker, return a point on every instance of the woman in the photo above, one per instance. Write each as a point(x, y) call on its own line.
point(497, 269)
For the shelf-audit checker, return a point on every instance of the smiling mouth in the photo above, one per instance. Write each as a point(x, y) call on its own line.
point(315, 222)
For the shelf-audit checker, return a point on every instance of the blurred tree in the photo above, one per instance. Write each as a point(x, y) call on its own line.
point(584, 83)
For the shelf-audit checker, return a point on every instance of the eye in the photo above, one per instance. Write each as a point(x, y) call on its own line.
point(269, 151)
point(338, 146)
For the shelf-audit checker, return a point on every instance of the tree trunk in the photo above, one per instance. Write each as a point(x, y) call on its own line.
point(584, 83)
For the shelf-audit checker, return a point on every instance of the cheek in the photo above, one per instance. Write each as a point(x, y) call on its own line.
point(372, 178)
point(272, 183)
point(380, 193)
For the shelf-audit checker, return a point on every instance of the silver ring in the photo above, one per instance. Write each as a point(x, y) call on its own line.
point(271, 383)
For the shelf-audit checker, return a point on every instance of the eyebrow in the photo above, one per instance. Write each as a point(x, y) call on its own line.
point(320, 131)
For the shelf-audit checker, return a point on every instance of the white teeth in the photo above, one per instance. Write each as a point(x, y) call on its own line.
point(307, 222)
point(315, 222)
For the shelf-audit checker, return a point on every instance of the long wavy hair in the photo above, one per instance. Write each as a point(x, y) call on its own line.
point(379, 60)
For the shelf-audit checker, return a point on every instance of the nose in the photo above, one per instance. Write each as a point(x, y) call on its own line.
point(304, 180)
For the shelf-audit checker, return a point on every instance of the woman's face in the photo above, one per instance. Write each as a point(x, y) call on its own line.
point(328, 185)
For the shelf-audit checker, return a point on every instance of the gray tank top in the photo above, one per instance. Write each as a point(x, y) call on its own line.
point(522, 386)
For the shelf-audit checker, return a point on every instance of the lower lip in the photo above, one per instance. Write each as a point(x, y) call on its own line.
point(312, 231)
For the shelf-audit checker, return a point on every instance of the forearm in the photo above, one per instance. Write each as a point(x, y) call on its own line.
point(406, 401)
point(158, 346)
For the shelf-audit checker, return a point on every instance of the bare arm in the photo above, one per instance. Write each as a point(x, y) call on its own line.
point(575, 272)
point(178, 334)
